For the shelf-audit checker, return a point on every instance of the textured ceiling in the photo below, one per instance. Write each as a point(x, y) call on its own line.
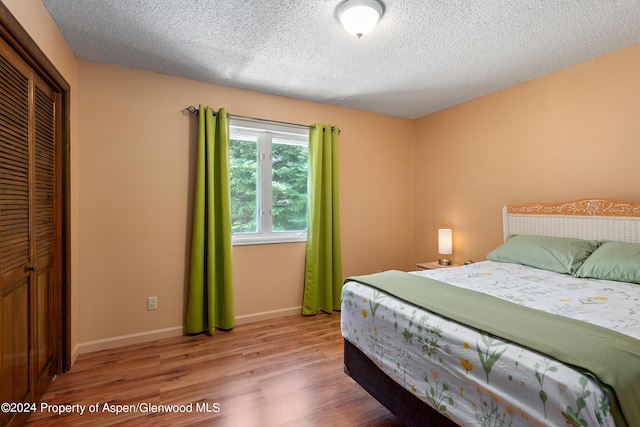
point(424, 55)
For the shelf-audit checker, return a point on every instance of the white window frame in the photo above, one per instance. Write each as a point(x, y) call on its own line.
point(264, 235)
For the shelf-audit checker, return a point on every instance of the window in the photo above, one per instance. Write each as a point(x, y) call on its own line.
point(269, 181)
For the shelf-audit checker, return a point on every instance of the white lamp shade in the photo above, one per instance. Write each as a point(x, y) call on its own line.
point(359, 17)
point(445, 244)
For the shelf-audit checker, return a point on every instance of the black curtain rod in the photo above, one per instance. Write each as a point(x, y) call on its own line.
point(193, 110)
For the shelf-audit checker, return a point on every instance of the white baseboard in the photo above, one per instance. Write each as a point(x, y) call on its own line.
point(266, 315)
point(74, 354)
point(103, 344)
point(97, 345)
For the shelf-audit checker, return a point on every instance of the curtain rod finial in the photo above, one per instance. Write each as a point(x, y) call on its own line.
point(190, 110)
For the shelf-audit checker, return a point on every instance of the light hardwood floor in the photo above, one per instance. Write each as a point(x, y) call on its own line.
point(283, 372)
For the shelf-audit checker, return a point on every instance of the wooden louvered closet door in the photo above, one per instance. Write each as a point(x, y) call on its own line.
point(29, 232)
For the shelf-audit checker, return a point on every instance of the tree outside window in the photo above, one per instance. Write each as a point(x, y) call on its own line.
point(268, 178)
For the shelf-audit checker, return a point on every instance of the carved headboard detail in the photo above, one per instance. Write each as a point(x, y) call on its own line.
point(583, 207)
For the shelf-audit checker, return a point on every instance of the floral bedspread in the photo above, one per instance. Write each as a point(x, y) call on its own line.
point(477, 379)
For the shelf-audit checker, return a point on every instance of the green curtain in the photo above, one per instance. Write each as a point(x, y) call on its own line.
point(210, 302)
point(323, 269)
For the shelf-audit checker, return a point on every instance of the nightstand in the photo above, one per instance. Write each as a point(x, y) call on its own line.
point(434, 265)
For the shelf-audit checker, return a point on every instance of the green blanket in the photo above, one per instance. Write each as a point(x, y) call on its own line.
point(611, 358)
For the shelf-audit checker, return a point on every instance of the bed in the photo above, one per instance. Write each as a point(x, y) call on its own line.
point(545, 332)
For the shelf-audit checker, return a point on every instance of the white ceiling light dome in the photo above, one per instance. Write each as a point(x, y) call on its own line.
point(359, 17)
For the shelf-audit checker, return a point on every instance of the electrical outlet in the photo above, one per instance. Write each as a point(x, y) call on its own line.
point(152, 303)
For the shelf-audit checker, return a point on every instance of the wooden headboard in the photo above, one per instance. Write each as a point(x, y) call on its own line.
point(591, 219)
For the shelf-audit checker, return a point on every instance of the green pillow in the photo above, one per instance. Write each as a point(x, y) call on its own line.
point(613, 261)
point(559, 254)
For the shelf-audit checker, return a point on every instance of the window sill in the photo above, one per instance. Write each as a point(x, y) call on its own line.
point(267, 239)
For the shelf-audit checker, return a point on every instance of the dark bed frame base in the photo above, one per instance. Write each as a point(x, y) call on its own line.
point(410, 410)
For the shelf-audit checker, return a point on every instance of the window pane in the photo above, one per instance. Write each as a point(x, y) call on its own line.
point(243, 157)
point(289, 185)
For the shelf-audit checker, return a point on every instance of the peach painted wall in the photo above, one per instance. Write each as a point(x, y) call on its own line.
point(35, 19)
point(567, 135)
point(570, 134)
point(136, 161)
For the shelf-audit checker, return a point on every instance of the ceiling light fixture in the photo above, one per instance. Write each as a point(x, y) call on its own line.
point(360, 16)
